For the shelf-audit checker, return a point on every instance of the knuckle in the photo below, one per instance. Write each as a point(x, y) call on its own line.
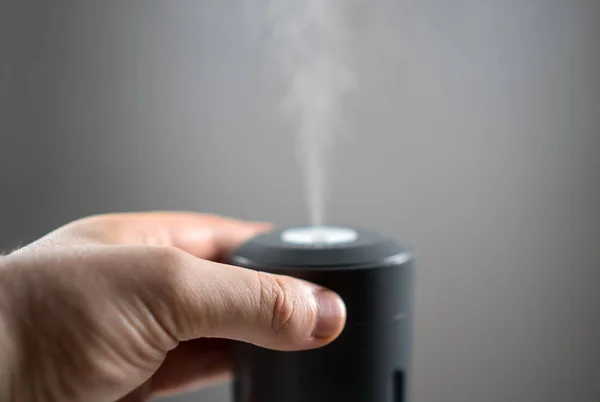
point(165, 258)
point(93, 228)
point(153, 283)
point(162, 271)
point(278, 299)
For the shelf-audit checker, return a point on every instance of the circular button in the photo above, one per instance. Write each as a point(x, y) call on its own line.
point(315, 236)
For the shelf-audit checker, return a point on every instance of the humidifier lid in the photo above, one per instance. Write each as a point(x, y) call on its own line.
point(322, 248)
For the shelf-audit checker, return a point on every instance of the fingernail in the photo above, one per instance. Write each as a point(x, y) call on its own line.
point(331, 315)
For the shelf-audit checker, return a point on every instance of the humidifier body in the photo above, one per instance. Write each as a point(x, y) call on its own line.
point(371, 360)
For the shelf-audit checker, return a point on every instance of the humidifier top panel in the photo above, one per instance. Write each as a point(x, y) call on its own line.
point(320, 248)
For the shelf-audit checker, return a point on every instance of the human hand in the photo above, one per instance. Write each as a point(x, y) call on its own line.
point(128, 307)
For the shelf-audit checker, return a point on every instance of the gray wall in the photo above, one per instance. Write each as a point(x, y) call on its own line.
point(474, 138)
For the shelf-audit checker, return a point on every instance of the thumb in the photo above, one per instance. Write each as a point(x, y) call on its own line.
point(222, 301)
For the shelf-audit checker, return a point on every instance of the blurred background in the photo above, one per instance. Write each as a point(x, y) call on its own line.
point(473, 137)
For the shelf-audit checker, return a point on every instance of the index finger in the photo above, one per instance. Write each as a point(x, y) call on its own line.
point(202, 235)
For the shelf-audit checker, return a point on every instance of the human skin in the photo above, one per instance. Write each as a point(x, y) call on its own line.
point(127, 307)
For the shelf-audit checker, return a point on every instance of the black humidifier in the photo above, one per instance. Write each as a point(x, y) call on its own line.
point(371, 359)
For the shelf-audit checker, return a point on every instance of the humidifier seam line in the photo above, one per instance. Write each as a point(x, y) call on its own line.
point(393, 260)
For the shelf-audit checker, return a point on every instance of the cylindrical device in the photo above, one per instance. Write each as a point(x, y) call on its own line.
point(371, 359)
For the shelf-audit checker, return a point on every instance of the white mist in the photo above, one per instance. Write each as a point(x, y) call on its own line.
point(309, 50)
